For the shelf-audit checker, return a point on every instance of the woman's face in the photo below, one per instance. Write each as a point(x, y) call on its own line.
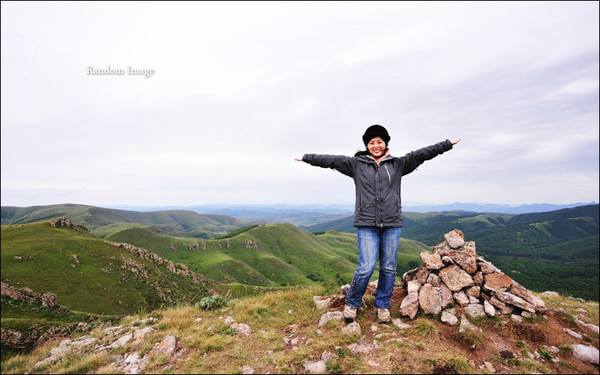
point(376, 147)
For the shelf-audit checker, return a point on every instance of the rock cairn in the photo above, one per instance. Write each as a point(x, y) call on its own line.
point(453, 274)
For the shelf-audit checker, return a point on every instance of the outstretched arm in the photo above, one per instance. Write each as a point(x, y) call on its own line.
point(343, 164)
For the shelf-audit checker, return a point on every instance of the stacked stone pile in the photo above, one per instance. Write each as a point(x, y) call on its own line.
point(453, 274)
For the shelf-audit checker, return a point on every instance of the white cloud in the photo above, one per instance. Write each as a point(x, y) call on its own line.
point(240, 89)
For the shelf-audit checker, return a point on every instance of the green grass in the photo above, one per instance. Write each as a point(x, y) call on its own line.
point(41, 257)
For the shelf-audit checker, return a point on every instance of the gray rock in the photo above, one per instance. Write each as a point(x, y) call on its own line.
point(455, 278)
point(573, 333)
point(362, 348)
point(489, 308)
point(461, 298)
point(410, 275)
point(515, 301)
point(473, 291)
point(316, 367)
point(327, 356)
point(549, 293)
point(434, 280)
point(455, 238)
point(142, 333)
point(410, 305)
point(321, 303)
point(431, 261)
point(586, 353)
point(496, 282)
point(449, 318)
point(446, 294)
point(466, 257)
point(247, 370)
point(588, 326)
point(423, 274)
point(352, 329)
point(486, 267)
point(516, 318)
point(478, 278)
point(413, 286)
point(167, 345)
point(442, 249)
point(400, 324)
point(473, 300)
point(329, 316)
point(430, 299)
point(504, 308)
point(475, 310)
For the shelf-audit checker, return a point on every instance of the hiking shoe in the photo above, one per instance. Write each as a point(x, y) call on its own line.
point(349, 314)
point(383, 315)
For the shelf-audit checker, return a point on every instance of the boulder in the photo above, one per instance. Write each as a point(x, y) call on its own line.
point(446, 294)
point(496, 282)
point(352, 329)
point(466, 257)
point(434, 280)
point(515, 301)
point(410, 305)
point(475, 310)
point(503, 307)
point(473, 291)
point(413, 286)
point(455, 238)
point(449, 318)
point(431, 261)
point(461, 298)
point(430, 299)
point(486, 267)
point(422, 274)
point(586, 353)
point(455, 278)
point(489, 308)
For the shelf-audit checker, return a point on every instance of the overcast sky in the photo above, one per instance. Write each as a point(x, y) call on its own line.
point(238, 90)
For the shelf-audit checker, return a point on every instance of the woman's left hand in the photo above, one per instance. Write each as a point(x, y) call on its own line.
point(453, 143)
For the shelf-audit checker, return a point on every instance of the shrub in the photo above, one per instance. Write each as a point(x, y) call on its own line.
point(211, 302)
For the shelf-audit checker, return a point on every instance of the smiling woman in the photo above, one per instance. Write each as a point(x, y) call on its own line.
point(378, 210)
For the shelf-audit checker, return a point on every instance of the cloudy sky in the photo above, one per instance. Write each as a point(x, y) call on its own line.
point(237, 90)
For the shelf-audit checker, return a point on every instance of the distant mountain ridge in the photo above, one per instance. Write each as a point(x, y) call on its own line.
point(103, 221)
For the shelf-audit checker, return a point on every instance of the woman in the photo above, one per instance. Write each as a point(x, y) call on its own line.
point(378, 211)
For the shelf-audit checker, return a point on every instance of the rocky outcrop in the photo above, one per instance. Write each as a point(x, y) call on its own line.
point(66, 222)
point(26, 294)
point(453, 271)
point(178, 268)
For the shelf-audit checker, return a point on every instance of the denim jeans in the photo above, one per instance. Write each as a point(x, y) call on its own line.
point(375, 243)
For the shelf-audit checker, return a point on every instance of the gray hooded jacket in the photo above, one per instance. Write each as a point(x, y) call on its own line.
point(378, 201)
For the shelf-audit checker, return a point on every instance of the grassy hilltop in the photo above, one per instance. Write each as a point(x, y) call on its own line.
point(267, 255)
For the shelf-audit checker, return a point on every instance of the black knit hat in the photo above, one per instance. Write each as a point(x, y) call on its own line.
point(376, 131)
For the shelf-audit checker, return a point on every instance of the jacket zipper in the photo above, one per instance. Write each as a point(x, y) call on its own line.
point(388, 172)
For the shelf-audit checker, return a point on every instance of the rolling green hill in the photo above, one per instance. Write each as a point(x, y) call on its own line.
point(103, 221)
point(268, 255)
point(88, 274)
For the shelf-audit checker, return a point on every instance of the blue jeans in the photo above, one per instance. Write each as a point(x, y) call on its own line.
point(374, 243)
